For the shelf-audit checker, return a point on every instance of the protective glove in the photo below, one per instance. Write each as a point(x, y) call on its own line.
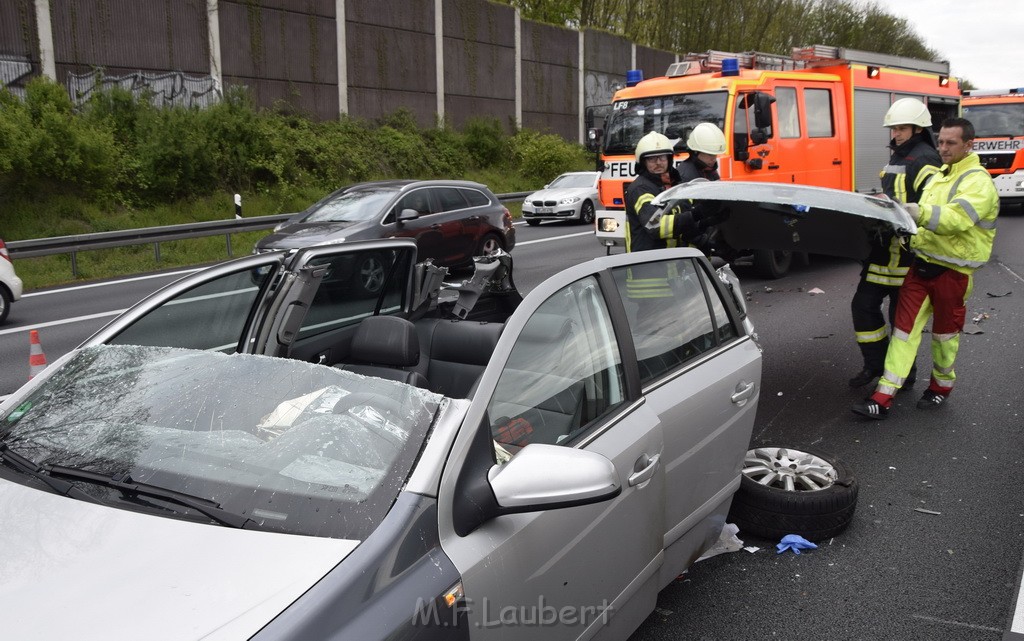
point(913, 210)
point(794, 542)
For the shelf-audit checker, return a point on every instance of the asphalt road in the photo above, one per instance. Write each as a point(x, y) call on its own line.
point(896, 573)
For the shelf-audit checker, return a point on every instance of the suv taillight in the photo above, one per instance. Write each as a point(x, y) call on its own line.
point(3, 251)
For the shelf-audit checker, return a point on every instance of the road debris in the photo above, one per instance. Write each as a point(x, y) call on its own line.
point(924, 511)
point(794, 542)
point(814, 291)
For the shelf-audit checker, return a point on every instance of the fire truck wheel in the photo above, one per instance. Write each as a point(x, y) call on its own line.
point(793, 491)
point(772, 264)
point(587, 213)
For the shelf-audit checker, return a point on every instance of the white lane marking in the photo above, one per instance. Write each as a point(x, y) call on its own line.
point(545, 240)
point(65, 321)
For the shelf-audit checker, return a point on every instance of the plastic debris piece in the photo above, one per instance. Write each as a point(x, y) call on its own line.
point(980, 317)
point(751, 548)
point(998, 294)
point(727, 542)
point(924, 511)
point(973, 329)
point(816, 290)
point(794, 542)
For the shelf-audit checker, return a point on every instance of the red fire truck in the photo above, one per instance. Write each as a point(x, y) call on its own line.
point(998, 119)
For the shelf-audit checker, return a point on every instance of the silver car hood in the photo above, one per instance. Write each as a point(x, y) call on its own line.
point(796, 217)
point(76, 570)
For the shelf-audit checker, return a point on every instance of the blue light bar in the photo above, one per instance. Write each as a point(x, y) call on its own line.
point(634, 76)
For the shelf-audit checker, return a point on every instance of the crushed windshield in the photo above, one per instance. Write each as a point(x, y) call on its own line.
point(996, 121)
point(351, 206)
point(293, 446)
point(571, 181)
point(673, 116)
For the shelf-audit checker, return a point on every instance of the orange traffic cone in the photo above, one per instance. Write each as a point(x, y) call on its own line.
point(36, 357)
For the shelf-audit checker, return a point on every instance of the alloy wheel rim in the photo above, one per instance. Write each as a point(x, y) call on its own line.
point(788, 469)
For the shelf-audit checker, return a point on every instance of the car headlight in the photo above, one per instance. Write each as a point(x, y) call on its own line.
point(571, 200)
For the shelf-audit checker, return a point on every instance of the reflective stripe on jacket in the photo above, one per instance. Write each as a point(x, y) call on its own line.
point(911, 166)
point(957, 217)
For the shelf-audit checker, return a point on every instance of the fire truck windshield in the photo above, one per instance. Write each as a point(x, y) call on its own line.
point(996, 120)
point(673, 116)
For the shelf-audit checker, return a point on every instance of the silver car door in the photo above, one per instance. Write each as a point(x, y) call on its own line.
point(700, 374)
point(557, 378)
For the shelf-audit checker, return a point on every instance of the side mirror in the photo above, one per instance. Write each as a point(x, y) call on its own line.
point(594, 137)
point(763, 110)
point(406, 215)
point(759, 136)
point(542, 477)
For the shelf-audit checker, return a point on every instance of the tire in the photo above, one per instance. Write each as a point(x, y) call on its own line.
point(532, 222)
point(772, 264)
point(5, 303)
point(587, 213)
point(368, 275)
point(789, 491)
point(489, 245)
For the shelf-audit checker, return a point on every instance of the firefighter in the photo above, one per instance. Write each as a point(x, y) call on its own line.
point(957, 225)
point(647, 226)
point(706, 143)
point(913, 162)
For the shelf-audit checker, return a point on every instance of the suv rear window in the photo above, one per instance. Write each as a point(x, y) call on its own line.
point(475, 198)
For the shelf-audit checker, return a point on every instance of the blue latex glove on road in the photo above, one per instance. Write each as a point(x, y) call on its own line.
point(794, 542)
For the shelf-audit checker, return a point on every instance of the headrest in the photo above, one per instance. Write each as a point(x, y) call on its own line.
point(386, 340)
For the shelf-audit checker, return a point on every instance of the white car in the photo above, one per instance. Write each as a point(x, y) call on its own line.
point(10, 284)
point(571, 196)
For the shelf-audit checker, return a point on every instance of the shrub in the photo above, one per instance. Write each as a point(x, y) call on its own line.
point(544, 156)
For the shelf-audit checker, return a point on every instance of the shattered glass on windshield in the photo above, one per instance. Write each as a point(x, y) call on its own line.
point(294, 446)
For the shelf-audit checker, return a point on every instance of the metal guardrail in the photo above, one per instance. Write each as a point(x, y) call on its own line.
point(156, 235)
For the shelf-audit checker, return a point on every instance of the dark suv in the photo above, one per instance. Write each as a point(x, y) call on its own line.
point(451, 220)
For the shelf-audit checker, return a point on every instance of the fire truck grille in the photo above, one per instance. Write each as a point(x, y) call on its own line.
point(996, 161)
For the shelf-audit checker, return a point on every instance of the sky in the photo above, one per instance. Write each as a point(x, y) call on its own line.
point(983, 40)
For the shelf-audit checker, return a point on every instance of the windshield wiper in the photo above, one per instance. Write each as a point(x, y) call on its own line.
point(128, 486)
point(33, 469)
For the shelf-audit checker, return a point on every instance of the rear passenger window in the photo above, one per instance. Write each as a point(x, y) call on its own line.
point(819, 113)
point(563, 373)
point(475, 198)
point(450, 198)
point(668, 314)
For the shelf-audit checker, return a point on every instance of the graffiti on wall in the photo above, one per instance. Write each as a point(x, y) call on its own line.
point(161, 89)
point(598, 88)
point(14, 72)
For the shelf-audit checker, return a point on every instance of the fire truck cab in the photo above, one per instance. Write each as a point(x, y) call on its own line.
point(998, 119)
point(814, 118)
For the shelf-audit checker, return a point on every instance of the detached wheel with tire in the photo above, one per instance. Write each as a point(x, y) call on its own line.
point(793, 491)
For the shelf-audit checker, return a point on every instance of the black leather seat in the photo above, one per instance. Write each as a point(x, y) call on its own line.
point(457, 354)
point(386, 347)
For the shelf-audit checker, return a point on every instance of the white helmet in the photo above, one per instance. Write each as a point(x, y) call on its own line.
point(908, 111)
point(653, 144)
point(706, 138)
